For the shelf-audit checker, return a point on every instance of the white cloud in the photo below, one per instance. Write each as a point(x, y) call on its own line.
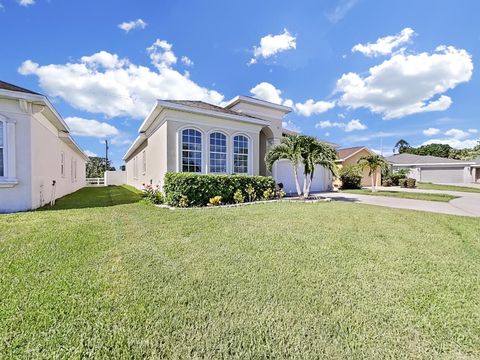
point(131, 25)
point(407, 84)
point(271, 45)
point(2, 8)
point(310, 107)
point(455, 143)
point(343, 7)
point(352, 125)
point(161, 54)
point(329, 124)
point(26, 2)
point(186, 61)
point(90, 153)
point(92, 128)
point(290, 125)
point(104, 83)
point(327, 134)
point(385, 45)
point(457, 134)
point(431, 131)
point(473, 131)
point(268, 92)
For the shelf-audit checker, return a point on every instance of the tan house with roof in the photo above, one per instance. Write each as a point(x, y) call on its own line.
point(351, 156)
point(194, 136)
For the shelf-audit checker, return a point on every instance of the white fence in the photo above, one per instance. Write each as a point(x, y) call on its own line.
point(95, 182)
point(115, 177)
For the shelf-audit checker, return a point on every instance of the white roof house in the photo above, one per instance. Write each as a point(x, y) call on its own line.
point(194, 136)
point(436, 169)
point(36, 150)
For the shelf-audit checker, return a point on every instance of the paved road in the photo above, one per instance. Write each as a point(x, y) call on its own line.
point(467, 204)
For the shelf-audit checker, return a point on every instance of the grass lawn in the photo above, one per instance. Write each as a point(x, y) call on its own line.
point(114, 278)
point(403, 195)
point(431, 186)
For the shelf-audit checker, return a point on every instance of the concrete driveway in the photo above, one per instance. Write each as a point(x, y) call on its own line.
point(467, 204)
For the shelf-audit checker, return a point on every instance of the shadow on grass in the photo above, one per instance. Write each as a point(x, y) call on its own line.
point(92, 197)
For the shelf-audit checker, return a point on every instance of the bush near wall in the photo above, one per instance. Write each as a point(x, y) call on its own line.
point(351, 177)
point(198, 189)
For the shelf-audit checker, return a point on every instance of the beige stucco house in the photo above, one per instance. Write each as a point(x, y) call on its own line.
point(351, 156)
point(36, 150)
point(193, 136)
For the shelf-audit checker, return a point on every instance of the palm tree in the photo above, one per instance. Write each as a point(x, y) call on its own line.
point(373, 163)
point(401, 146)
point(315, 152)
point(290, 148)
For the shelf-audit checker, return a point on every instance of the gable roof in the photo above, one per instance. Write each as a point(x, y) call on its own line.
point(412, 159)
point(345, 153)
point(255, 101)
point(10, 87)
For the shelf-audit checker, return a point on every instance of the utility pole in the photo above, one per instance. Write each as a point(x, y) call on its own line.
point(106, 155)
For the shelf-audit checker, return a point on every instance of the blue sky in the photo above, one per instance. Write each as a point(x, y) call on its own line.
point(356, 72)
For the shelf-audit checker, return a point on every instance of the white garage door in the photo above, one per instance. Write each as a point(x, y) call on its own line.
point(283, 173)
point(442, 175)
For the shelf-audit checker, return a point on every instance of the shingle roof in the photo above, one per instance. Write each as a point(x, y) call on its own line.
point(7, 86)
point(207, 106)
point(420, 159)
point(346, 152)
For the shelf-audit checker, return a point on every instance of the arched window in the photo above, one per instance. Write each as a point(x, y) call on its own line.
point(2, 148)
point(240, 154)
point(191, 150)
point(218, 153)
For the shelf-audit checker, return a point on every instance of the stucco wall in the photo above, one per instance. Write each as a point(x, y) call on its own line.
point(162, 146)
point(46, 164)
point(18, 197)
point(37, 163)
point(366, 179)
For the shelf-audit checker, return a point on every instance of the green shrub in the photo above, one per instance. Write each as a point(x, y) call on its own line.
point(238, 197)
point(269, 194)
point(183, 201)
point(351, 177)
point(215, 201)
point(387, 182)
point(410, 183)
point(250, 190)
point(199, 188)
point(152, 194)
point(402, 182)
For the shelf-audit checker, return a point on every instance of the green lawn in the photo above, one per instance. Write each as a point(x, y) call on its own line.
point(431, 186)
point(278, 280)
point(403, 195)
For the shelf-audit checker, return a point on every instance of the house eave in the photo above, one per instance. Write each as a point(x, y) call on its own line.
point(250, 100)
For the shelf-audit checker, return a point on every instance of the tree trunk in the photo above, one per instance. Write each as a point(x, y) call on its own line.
point(305, 184)
point(374, 189)
point(297, 183)
point(309, 186)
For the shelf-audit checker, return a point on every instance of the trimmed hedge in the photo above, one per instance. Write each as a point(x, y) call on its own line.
point(200, 188)
point(351, 177)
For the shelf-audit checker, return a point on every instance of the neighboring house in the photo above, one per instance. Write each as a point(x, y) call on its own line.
point(35, 150)
point(193, 136)
point(436, 169)
point(351, 156)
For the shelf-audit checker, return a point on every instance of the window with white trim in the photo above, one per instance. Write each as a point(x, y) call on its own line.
point(191, 151)
point(75, 170)
point(144, 162)
point(72, 175)
point(135, 168)
point(2, 148)
point(240, 154)
point(62, 164)
point(218, 153)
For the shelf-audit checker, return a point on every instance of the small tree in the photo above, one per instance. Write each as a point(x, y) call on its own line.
point(373, 163)
point(315, 152)
point(290, 149)
point(95, 167)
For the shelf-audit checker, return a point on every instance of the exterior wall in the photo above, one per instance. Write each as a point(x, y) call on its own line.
point(366, 179)
point(18, 197)
point(440, 174)
point(47, 148)
point(37, 162)
point(162, 146)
